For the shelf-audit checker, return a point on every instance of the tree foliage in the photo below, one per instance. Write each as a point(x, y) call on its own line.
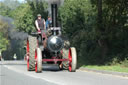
point(26, 14)
point(7, 6)
point(97, 28)
point(3, 35)
point(4, 10)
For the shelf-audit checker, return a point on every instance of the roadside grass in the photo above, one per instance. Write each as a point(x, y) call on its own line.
point(114, 68)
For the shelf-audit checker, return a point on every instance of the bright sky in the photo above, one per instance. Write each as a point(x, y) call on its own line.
point(21, 0)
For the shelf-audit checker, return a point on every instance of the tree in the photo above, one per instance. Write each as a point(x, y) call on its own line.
point(3, 36)
point(102, 41)
point(4, 10)
point(112, 33)
point(26, 14)
point(7, 6)
point(78, 19)
point(97, 28)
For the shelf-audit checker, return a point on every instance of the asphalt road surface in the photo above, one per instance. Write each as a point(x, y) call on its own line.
point(15, 73)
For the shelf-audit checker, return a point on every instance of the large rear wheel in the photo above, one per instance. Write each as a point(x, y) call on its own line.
point(65, 52)
point(72, 59)
point(31, 46)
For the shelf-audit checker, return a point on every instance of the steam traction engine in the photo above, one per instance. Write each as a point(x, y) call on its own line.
point(49, 47)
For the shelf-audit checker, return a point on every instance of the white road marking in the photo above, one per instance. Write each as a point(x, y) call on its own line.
point(31, 75)
point(48, 79)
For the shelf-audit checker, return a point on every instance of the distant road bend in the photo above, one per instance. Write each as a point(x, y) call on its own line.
point(15, 73)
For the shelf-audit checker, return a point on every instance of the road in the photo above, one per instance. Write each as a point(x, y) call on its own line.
point(15, 73)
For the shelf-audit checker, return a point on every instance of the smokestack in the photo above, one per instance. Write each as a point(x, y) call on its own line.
point(54, 15)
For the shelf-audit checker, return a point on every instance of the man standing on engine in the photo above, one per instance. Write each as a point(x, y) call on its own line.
point(40, 23)
point(48, 22)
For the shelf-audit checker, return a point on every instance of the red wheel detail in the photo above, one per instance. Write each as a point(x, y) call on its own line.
point(70, 60)
point(36, 61)
point(27, 46)
point(27, 55)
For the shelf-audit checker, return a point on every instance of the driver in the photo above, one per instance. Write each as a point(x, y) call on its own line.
point(40, 23)
point(40, 26)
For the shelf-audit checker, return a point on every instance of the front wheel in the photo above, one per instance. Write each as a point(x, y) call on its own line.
point(38, 59)
point(72, 59)
point(30, 52)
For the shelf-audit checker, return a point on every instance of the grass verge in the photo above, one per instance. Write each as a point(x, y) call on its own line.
point(115, 68)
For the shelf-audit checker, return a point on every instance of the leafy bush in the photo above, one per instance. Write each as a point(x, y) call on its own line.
point(124, 63)
point(95, 45)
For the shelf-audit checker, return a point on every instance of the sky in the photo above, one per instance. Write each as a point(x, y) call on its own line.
point(21, 0)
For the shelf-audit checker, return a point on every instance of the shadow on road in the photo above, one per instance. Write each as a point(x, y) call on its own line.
point(53, 68)
point(45, 67)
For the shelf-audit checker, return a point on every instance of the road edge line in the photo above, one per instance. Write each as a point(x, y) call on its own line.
point(121, 74)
